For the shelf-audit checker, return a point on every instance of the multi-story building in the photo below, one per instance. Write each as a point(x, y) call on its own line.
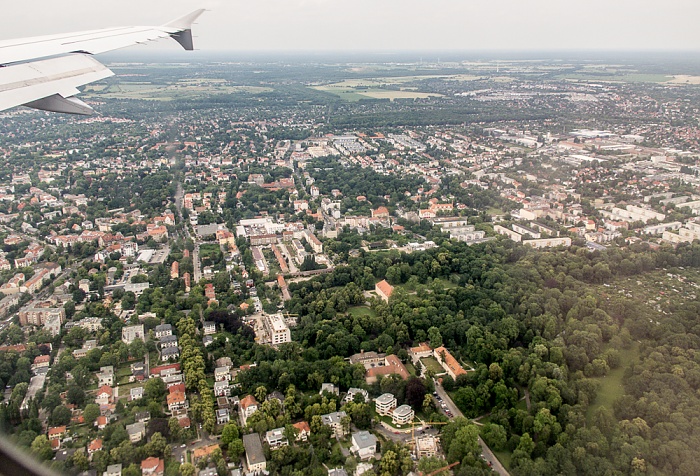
point(364, 445)
point(276, 329)
point(276, 439)
point(334, 420)
point(254, 456)
point(131, 333)
point(402, 415)
point(385, 404)
point(248, 406)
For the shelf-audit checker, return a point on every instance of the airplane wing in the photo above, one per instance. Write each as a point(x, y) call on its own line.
point(50, 84)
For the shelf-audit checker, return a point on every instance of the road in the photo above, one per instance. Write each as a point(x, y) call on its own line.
point(486, 451)
point(203, 439)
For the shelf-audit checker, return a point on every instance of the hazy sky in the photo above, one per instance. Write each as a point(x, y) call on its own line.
point(382, 25)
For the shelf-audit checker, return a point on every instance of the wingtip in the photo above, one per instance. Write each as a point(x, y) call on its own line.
point(185, 22)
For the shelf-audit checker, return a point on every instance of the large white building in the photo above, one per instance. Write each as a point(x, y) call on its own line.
point(276, 329)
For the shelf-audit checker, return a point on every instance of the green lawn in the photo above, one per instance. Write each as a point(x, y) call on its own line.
point(361, 311)
point(411, 369)
point(432, 364)
point(611, 385)
point(504, 458)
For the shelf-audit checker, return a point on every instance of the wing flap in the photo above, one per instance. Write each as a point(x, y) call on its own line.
point(28, 83)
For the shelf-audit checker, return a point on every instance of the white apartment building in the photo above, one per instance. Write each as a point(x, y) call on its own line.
point(276, 329)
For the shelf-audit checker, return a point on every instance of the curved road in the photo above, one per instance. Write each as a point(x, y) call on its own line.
point(488, 454)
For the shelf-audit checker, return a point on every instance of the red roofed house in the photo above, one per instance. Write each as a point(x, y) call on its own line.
point(384, 290)
point(249, 405)
point(57, 433)
point(41, 361)
point(449, 363)
point(177, 400)
point(104, 395)
point(95, 445)
point(101, 422)
point(153, 466)
point(304, 430)
point(380, 212)
point(392, 365)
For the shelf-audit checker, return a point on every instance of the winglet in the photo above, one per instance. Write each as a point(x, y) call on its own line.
point(183, 27)
point(185, 23)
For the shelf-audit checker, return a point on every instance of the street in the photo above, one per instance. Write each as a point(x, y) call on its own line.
point(489, 457)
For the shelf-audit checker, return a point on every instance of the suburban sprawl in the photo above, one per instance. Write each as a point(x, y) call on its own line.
point(322, 268)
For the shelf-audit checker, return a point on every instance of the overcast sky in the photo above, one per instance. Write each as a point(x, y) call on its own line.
point(384, 25)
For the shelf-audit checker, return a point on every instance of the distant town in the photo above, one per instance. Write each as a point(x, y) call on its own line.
point(422, 269)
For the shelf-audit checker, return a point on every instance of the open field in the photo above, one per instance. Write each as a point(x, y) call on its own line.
point(356, 89)
point(166, 92)
point(608, 77)
point(611, 385)
point(432, 364)
point(359, 311)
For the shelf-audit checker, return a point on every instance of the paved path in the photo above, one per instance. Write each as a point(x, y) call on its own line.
point(488, 454)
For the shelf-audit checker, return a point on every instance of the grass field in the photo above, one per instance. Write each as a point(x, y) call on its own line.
point(611, 385)
point(432, 364)
point(166, 92)
point(620, 77)
point(504, 457)
point(356, 89)
point(359, 311)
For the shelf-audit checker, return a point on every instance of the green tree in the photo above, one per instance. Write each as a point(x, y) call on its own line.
point(91, 412)
point(42, 447)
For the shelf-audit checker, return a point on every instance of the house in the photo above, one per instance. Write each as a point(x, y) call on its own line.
point(105, 376)
point(222, 373)
point(304, 430)
point(153, 467)
point(94, 445)
point(350, 397)
point(421, 351)
point(364, 445)
point(334, 420)
point(222, 389)
point(167, 341)
point(449, 363)
point(367, 359)
point(131, 333)
point(385, 404)
point(143, 416)
point(384, 289)
point(330, 388)
point(169, 353)
point(101, 422)
point(254, 456)
point(337, 472)
point(203, 452)
point(248, 406)
point(276, 439)
point(402, 415)
point(209, 328)
point(113, 470)
point(41, 361)
point(222, 416)
point(136, 431)
point(177, 400)
point(135, 393)
point(57, 433)
point(163, 330)
point(104, 395)
point(392, 365)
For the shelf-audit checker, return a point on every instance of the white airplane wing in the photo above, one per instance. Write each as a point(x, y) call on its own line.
point(50, 84)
